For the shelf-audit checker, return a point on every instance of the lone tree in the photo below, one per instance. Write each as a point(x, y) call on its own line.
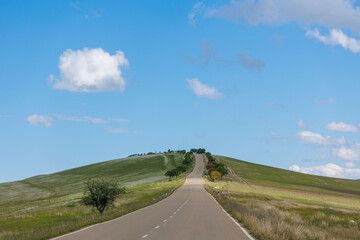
point(101, 193)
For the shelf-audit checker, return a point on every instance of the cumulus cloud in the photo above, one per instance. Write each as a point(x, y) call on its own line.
point(327, 13)
point(341, 127)
point(340, 148)
point(336, 37)
point(349, 152)
point(329, 170)
point(251, 63)
point(197, 9)
point(203, 90)
point(36, 119)
point(90, 70)
point(80, 119)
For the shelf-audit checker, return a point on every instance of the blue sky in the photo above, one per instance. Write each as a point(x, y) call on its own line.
point(273, 82)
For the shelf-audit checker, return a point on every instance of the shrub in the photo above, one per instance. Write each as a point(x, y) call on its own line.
point(215, 175)
point(101, 193)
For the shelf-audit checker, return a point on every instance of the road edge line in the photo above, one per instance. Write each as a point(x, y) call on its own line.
point(233, 219)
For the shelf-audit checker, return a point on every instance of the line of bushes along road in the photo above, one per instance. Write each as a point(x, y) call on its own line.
point(187, 163)
point(215, 170)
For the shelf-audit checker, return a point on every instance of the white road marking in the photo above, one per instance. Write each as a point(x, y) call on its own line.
point(165, 220)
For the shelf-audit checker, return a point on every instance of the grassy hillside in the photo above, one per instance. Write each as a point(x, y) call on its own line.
point(47, 205)
point(276, 204)
point(128, 171)
point(275, 177)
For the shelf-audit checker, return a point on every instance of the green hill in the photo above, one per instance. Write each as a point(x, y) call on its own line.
point(277, 204)
point(44, 206)
point(276, 177)
point(128, 171)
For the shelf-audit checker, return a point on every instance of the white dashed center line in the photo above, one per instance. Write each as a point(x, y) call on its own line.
point(165, 220)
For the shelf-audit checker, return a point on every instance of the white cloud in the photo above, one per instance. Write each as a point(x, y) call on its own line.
point(350, 152)
point(311, 137)
point(118, 130)
point(250, 63)
point(341, 127)
point(315, 138)
point(303, 124)
point(203, 90)
point(80, 119)
point(90, 70)
point(341, 148)
point(40, 120)
point(336, 37)
point(197, 9)
point(350, 165)
point(328, 13)
point(329, 170)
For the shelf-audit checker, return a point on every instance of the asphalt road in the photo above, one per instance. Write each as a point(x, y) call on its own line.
point(189, 213)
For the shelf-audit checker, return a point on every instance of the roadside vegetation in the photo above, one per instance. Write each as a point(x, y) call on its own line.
point(45, 206)
point(276, 204)
point(214, 169)
point(186, 166)
point(101, 193)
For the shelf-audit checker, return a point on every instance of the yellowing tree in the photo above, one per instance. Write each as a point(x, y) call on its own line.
point(215, 175)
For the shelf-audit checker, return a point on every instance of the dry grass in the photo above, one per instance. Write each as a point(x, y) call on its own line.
point(275, 218)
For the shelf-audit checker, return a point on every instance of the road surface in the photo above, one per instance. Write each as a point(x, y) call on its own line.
point(189, 213)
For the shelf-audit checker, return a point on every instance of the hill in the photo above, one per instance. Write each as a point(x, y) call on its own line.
point(276, 177)
point(128, 171)
point(47, 205)
point(278, 204)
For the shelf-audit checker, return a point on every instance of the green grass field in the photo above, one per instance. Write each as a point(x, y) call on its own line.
point(44, 206)
point(279, 204)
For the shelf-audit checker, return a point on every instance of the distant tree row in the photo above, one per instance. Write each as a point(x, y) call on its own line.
point(186, 164)
point(151, 153)
point(214, 169)
point(199, 150)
